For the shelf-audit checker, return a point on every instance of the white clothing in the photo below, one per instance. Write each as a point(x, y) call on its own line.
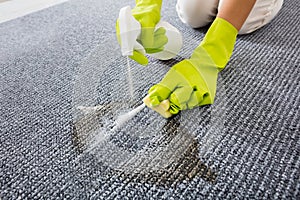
point(198, 13)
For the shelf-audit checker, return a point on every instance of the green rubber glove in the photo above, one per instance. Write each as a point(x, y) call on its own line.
point(192, 82)
point(147, 12)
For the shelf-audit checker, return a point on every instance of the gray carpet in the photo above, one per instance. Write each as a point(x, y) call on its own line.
point(63, 82)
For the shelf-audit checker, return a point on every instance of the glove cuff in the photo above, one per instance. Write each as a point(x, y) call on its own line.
point(219, 42)
point(144, 3)
point(147, 12)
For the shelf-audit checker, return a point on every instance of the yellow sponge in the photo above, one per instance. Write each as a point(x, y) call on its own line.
point(162, 108)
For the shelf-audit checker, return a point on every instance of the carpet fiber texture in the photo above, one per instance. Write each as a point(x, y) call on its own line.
point(63, 83)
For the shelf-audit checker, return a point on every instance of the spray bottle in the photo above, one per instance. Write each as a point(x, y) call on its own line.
point(130, 29)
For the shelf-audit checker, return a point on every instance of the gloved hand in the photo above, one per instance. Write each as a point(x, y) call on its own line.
point(147, 12)
point(192, 82)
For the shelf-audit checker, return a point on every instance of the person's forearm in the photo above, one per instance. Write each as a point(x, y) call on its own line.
point(236, 11)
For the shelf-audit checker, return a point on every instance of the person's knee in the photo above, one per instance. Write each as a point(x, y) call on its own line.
point(262, 13)
point(197, 13)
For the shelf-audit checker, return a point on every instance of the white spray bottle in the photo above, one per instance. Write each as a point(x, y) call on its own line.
point(130, 30)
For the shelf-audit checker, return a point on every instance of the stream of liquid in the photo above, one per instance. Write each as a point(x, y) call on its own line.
point(122, 119)
point(129, 77)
